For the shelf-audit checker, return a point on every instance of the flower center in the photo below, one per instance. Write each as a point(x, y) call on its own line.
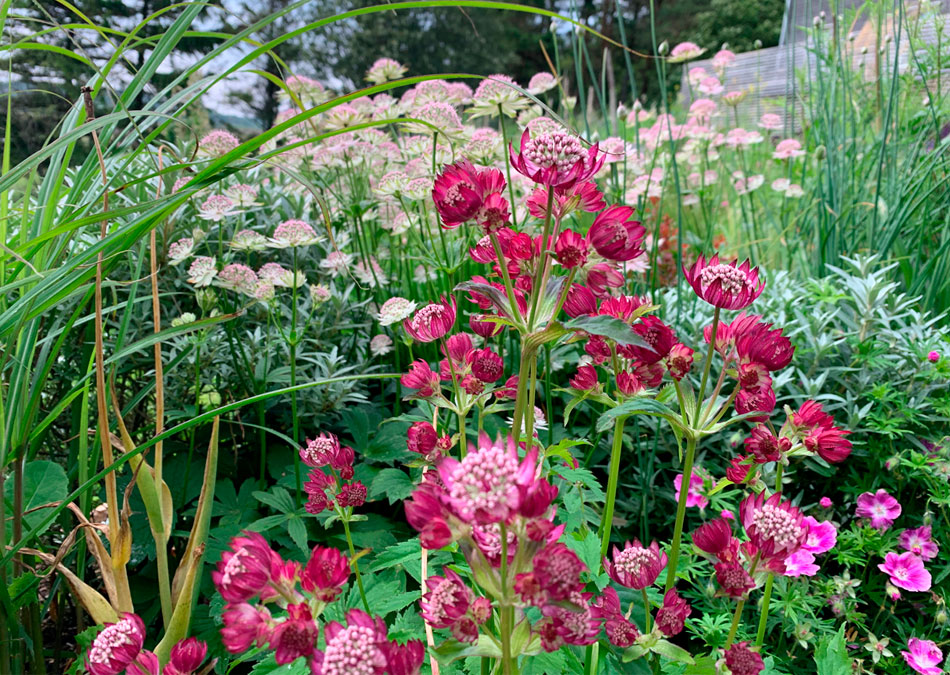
point(352, 652)
point(633, 560)
point(730, 279)
point(424, 317)
point(555, 149)
point(482, 481)
point(776, 524)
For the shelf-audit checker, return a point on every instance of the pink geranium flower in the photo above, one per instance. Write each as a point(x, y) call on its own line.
point(906, 571)
point(919, 541)
point(693, 496)
point(924, 656)
point(822, 536)
point(881, 508)
point(801, 563)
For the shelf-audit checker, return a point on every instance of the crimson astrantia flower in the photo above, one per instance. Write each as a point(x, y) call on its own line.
point(602, 277)
point(245, 569)
point(713, 537)
point(421, 439)
point(484, 250)
point(829, 443)
point(728, 333)
point(494, 213)
point(447, 599)
point(146, 663)
point(432, 321)
point(186, 657)
point(733, 579)
point(359, 647)
point(766, 346)
point(762, 401)
point(116, 646)
point(753, 377)
point(621, 307)
point(421, 377)
point(555, 159)
point(774, 527)
point(880, 507)
point(615, 235)
point(598, 349)
point(458, 347)
point(740, 469)
point(656, 334)
point(320, 451)
point(351, 494)
point(425, 512)
point(244, 625)
point(585, 379)
point(629, 384)
point(672, 615)
point(725, 285)
point(920, 542)
point(635, 566)
point(907, 571)
point(571, 249)
point(765, 447)
point(509, 391)
point(558, 572)
point(571, 626)
point(743, 661)
point(325, 573)
point(296, 636)
point(482, 326)
point(679, 361)
point(459, 191)
point(404, 659)
point(316, 486)
point(620, 631)
point(487, 366)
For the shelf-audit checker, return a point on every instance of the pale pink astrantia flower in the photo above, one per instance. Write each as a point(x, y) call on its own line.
point(380, 345)
point(293, 233)
point(693, 495)
point(248, 240)
point(788, 149)
point(541, 82)
point(906, 571)
point(770, 121)
point(920, 542)
point(217, 143)
point(924, 656)
point(801, 563)
point(337, 263)
point(202, 271)
point(822, 536)
point(180, 250)
point(216, 208)
point(685, 51)
point(395, 310)
point(881, 508)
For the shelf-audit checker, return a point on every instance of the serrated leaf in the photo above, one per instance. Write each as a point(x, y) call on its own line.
point(278, 499)
point(672, 652)
point(641, 405)
point(609, 327)
point(452, 650)
point(831, 656)
point(585, 477)
point(297, 530)
point(394, 483)
point(587, 549)
point(397, 554)
point(704, 665)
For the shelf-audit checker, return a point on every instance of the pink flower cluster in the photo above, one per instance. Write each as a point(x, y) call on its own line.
point(324, 489)
point(118, 648)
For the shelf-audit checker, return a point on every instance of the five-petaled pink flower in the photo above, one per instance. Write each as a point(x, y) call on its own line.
point(924, 656)
point(693, 496)
point(919, 541)
point(822, 536)
point(881, 508)
point(906, 571)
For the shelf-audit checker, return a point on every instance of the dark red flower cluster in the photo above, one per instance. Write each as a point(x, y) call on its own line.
point(324, 488)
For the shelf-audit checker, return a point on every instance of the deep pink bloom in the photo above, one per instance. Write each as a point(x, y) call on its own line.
point(656, 334)
point(810, 415)
point(509, 391)
point(933, 357)
point(483, 327)
point(457, 347)
point(880, 507)
point(801, 563)
point(713, 537)
point(571, 249)
point(427, 515)
point(567, 625)
point(620, 631)
point(555, 159)
point(829, 442)
point(245, 569)
point(774, 527)
point(487, 366)
point(766, 346)
point(244, 625)
point(326, 450)
point(765, 447)
point(186, 657)
point(359, 647)
point(325, 573)
point(447, 599)
point(693, 496)
point(907, 571)
point(316, 486)
point(753, 377)
point(743, 661)
point(733, 579)
point(421, 439)
point(352, 494)
point(404, 659)
point(602, 277)
point(822, 536)
point(740, 469)
point(432, 321)
point(725, 285)
point(825, 502)
point(615, 235)
point(581, 196)
point(679, 361)
point(459, 191)
point(924, 656)
point(557, 574)
point(622, 307)
point(919, 541)
point(674, 612)
point(635, 566)
point(296, 636)
point(116, 646)
point(495, 212)
point(762, 401)
point(629, 384)
point(421, 377)
point(585, 379)
point(146, 663)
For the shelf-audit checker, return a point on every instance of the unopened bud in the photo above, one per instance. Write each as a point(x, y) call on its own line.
point(207, 299)
point(663, 49)
point(891, 463)
point(710, 590)
point(928, 518)
point(821, 152)
point(757, 44)
point(892, 592)
point(816, 22)
point(941, 617)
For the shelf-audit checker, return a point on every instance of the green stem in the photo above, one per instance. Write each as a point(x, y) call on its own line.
point(708, 364)
point(763, 619)
point(505, 152)
point(536, 290)
point(614, 476)
point(735, 623)
point(509, 288)
point(681, 511)
point(509, 665)
point(293, 394)
point(344, 516)
point(646, 611)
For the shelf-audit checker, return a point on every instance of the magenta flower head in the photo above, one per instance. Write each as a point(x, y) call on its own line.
point(800, 563)
point(924, 656)
point(447, 599)
point(743, 661)
point(432, 321)
point(320, 451)
point(245, 625)
point(422, 439)
point(766, 346)
point(713, 537)
point(635, 566)
point(774, 527)
point(359, 647)
point(585, 379)
point(296, 636)
point(693, 495)
point(881, 508)
point(186, 657)
point(615, 235)
point(487, 366)
point(825, 502)
point(680, 361)
point(404, 659)
point(765, 447)
point(571, 249)
point(822, 535)
point(116, 646)
point(733, 579)
point(461, 190)
point(555, 159)
point(672, 615)
point(933, 356)
point(725, 285)
point(421, 377)
point(325, 573)
point(906, 571)
point(762, 401)
point(427, 515)
point(920, 542)
point(245, 570)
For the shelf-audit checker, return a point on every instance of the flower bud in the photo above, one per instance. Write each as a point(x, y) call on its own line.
point(757, 44)
point(206, 298)
point(663, 49)
point(892, 591)
point(821, 152)
point(941, 617)
point(891, 463)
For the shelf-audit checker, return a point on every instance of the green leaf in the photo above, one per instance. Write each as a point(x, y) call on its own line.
point(641, 405)
point(704, 665)
point(297, 530)
point(587, 549)
point(672, 652)
point(397, 554)
point(452, 650)
point(586, 478)
point(831, 657)
point(44, 482)
point(278, 499)
point(394, 483)
point(609, 327)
